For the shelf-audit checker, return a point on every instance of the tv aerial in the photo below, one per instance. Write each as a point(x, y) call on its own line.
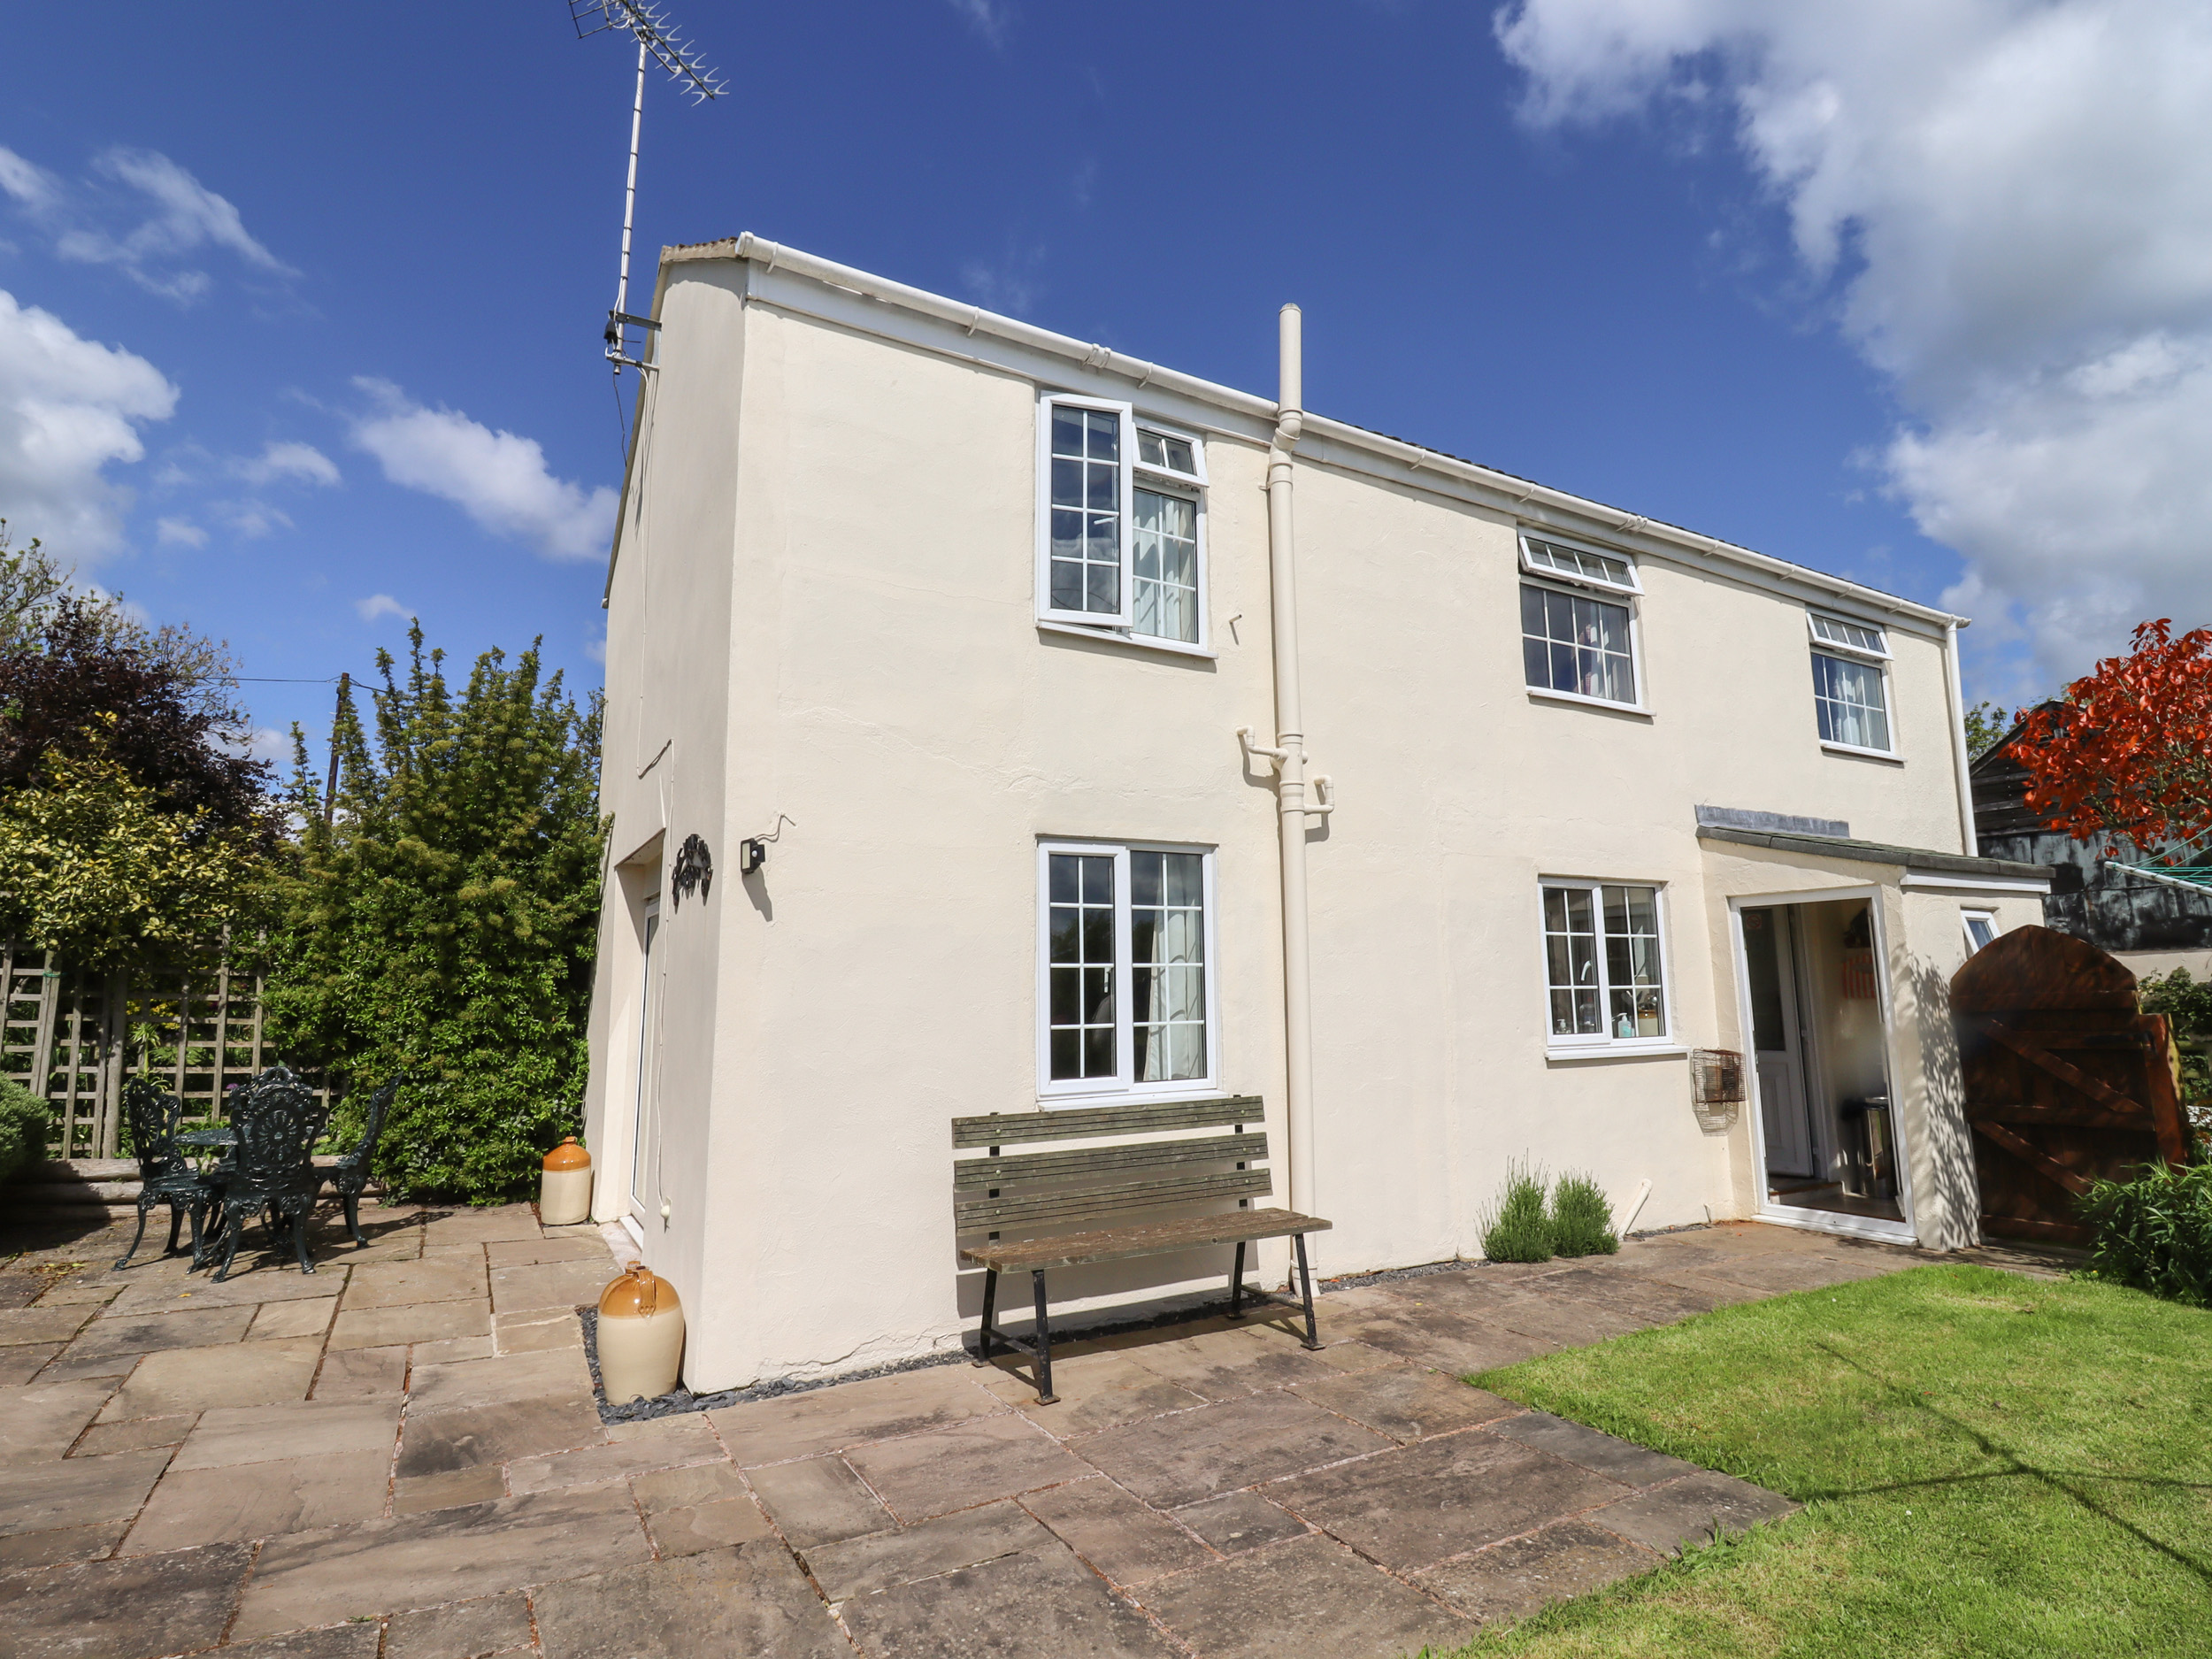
point(657, 43)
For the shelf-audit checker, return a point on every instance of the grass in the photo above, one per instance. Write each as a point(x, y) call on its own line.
point(1991, 1464)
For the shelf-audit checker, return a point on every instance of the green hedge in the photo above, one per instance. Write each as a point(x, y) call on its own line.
point(24, 1121)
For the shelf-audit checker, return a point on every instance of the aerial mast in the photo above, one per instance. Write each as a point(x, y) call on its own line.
point(657, 43)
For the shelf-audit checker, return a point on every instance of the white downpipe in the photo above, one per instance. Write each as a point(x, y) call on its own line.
point(1969, 837)
point(1290, 761)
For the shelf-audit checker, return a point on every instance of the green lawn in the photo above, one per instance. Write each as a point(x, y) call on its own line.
point(1991, 1464)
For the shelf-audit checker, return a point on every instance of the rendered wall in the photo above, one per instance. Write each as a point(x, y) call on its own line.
point(844, 604)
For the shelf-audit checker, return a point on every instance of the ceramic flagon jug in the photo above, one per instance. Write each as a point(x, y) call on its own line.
point(640, 1336)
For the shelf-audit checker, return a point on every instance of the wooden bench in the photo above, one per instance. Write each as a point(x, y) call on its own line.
point(1057, 1199)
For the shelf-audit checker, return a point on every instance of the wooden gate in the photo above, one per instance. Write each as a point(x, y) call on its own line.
point(2066, 1079)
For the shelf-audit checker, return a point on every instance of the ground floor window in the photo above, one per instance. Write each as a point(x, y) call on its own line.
point(1124, 956)
point(1604, 970)
point(1981, 927)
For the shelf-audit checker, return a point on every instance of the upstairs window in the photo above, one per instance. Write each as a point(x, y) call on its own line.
point(1578, 622)
point(1850, 683)
point(1122, 518)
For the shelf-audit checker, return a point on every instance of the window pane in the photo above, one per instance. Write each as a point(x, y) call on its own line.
point(1571, 961)
point(1151, 448)
point(1080, 936)
point(1636, 1006)
point(1167, 968)
point(1849, 701)
point(1085, 501)
point(1569, 644)
point(1164, 542)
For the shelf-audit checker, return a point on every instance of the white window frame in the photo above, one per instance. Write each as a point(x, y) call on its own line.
point(1968, 918)
point(1628, 595)
point(1877, 658)
point(1633, 586)
point(1601, 1045)
point(1090, 1090)
point(1046, 404)
point(1192, 486)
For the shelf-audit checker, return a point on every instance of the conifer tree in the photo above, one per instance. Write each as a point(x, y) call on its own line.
point(441, 917)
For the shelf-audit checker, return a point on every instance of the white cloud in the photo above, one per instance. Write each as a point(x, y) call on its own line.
point(179, 532)
point(187, 218)
point(2014, 201)
point(595, 649)
point(499, 479)
point(303, 462)
point(28, 183)
point(987, 18)
point(382, 605)
point(69, 408)
point(250, 518)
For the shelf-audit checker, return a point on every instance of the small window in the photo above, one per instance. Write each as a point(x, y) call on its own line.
point(1125, 962)
point(1850, 636)
point(1578, 564)
point(1981, 928)
point(1605, 981)
point(1122, 517)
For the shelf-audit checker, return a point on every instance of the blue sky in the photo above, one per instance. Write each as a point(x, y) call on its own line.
point(303, 300)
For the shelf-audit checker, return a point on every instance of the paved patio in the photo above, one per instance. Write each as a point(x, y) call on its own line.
point(399, 1458)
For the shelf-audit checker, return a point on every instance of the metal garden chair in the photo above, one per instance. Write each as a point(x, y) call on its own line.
point(278, 1121)
point(350, 1174)
point(166, 1175)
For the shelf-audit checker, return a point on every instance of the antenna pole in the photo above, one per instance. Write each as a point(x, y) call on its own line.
point(629, 207)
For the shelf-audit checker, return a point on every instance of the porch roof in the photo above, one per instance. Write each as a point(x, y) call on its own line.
point(1876, 853)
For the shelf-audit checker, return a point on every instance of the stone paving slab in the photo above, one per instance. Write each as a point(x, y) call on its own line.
point(413, 1561)
point(749, 1599)
point(1036, 1605)
point(1311, 1595)
point(399, 1458)
point(1524, 1575)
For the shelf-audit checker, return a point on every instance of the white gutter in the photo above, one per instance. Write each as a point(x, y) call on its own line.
point(1969, 837)
point(1515, 492)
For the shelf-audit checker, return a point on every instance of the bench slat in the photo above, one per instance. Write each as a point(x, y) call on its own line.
point(1009, 1128)
point(1115, 1244)
point(1073, 1207)
point(1056, 1166)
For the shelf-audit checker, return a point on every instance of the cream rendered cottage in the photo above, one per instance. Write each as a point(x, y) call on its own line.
point(956, 649)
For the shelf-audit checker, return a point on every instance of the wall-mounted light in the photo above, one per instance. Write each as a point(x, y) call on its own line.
point(752, 852)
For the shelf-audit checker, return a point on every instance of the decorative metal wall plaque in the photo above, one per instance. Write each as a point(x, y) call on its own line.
point(694, 871)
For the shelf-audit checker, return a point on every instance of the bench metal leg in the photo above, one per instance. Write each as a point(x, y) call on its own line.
point(1305, 1280)
point(1236, 1285)
point(1043, 1337)
point(984, 1349)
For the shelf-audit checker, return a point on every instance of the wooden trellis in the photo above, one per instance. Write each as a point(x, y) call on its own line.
point(73, 1038)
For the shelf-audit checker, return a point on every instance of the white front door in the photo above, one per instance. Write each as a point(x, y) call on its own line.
point(1777, 1047)
point(645, 1125)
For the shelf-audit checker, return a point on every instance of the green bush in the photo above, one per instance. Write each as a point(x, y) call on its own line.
point(24, 1121)
point(441, 921)
point(1516, 1228)
point(1581, 1217)
point(2154, 1232)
